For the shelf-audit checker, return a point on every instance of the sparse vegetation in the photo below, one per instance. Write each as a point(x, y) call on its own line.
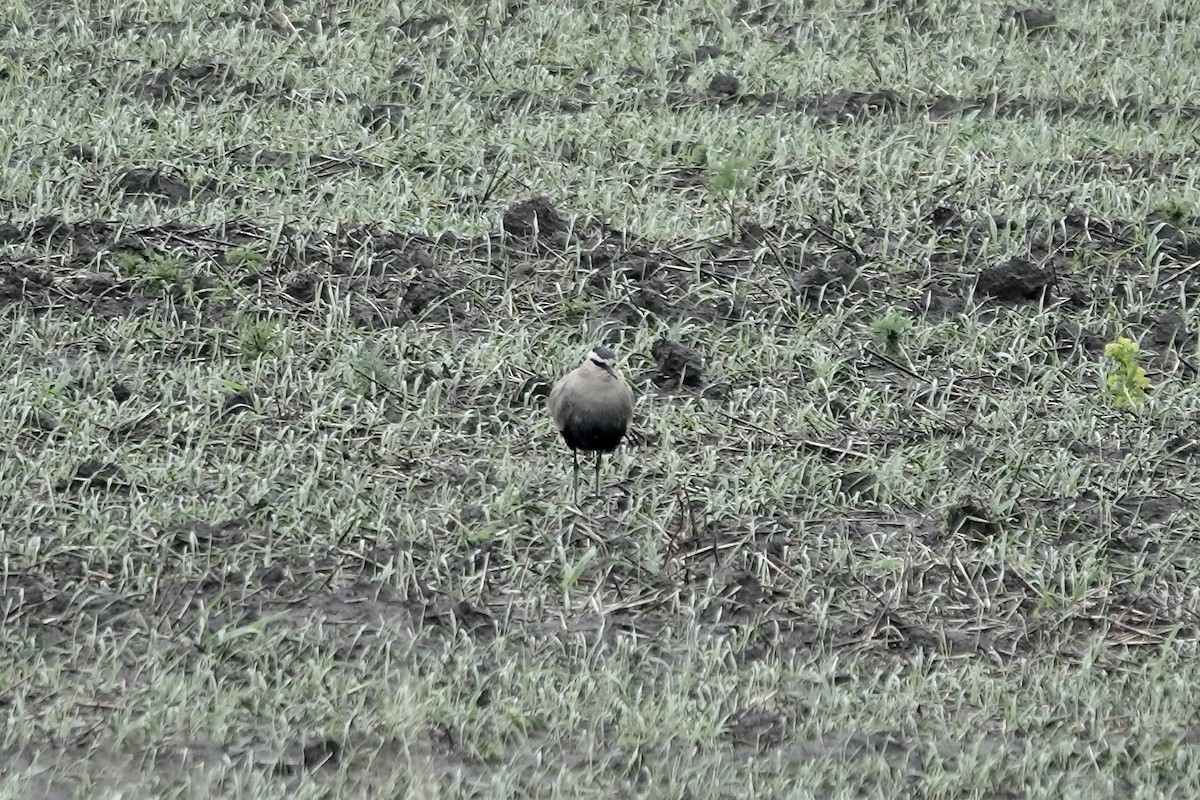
point(312, 537)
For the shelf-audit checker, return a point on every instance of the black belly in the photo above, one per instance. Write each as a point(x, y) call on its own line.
point(602, 437)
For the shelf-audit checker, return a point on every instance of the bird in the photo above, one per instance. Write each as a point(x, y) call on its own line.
point(591, 405)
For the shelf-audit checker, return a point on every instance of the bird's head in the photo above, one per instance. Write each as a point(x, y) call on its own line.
point(604, 358)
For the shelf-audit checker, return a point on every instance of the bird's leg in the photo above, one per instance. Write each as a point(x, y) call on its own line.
point(599, 455)
point(575, 482)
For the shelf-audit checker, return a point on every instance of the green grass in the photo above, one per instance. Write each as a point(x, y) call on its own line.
point(282, 513)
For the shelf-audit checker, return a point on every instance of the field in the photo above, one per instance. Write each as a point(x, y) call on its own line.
point(284, 286)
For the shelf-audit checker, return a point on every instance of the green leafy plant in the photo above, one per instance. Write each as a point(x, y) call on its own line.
point(1126, 385)
point(1175, 209)
point(729, 176)
point(728, 179)
point(159, 270)
point(258, 338)
point(371, 373)
point(246, 258)
point(889, 330)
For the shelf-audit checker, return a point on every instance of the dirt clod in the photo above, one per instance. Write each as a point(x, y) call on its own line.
point(1015, 281)
point(208, 81)
point(828, 282)
point(534, 218)
point(303, 287)
point(426, 289)
point(18, 282)
point(81, 152)
point(381, 116)
point(724, 85)
point(95, 474)
point(238, 402)
point(324, 752)
point(41, 421)
point(970, 518)
point(1029, 19)
point(678, 364)
point(651, 301)
point(158, 182)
